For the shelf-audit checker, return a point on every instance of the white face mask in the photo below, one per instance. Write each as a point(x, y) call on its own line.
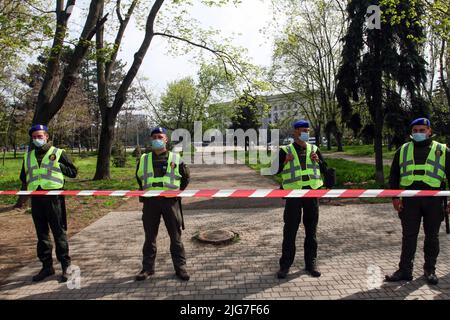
point(39, 142)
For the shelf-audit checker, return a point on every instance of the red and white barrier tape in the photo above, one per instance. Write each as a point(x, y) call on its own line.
point(243, 193)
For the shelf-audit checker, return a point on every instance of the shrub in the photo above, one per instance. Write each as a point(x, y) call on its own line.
point(119, 155)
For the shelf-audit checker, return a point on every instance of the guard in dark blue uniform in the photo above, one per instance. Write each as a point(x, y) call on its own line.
point(162, 170)
point(43, 169)
point(421, 164)
point(300, 166)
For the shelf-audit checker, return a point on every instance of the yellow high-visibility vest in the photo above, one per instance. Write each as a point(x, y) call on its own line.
point(432, 172)
point(48, 175)
point(170, 180)
point(294, 177)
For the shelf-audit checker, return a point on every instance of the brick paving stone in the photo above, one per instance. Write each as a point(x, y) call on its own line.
point(351, 238)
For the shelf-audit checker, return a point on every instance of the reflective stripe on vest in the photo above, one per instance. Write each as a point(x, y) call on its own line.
point(171, 179)
point(433, 169)
point(48, 175)
point(293, 174)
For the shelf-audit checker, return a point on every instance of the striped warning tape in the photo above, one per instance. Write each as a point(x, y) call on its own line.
point(242, 193)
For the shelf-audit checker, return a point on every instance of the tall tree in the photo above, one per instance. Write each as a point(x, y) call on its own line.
point(306, 60)
point(53, 93)
point(178, 29)
point(373, 58)
point(188, 100)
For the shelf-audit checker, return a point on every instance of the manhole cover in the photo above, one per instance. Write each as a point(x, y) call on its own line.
point(219, 236)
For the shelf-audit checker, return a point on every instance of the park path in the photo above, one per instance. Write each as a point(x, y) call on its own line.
point(358, 244)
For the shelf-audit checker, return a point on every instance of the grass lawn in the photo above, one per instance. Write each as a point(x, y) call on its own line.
point(361, 151)
point(121, 178)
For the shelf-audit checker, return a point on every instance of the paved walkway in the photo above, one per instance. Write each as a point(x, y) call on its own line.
point(357, 245)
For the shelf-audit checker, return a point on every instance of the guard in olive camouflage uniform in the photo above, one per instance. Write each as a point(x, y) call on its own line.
point(162, 170)
point(421, 164)
point(44, 168)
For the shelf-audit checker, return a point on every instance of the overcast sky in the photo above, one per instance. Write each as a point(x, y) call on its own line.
point(160, 68)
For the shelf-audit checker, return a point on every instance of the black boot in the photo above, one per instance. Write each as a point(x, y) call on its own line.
point(399, 275)
point(282, 273)
point(182, 274)
point(431, 277)
point(312, 269)
point(144, 275)
point(44, 273)
point(65, 275)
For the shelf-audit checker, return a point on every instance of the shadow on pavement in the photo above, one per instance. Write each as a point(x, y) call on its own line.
point(402, 289)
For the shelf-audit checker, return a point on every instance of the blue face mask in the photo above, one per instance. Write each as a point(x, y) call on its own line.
point(304, 136)
point(418, 137)
point(158, 144)
point(38, 142)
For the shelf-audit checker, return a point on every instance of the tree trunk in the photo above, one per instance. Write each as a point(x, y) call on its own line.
point(318, 136)
point(79, 144)
point(377, 92)
point(328, 135)
point(109, 113)
point(102, 170)
point(378, 148)
point(444, 81)
point(49, 104)
point(338, 135)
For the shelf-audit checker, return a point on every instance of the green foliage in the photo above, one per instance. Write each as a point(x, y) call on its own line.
point(248, 111)
point(435, 13)
point(179, 105)
point(22, 30)
point(187, 100)
point(306, 57)
point(378, 63)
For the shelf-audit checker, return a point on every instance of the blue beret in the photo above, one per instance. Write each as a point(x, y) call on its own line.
point(37, 127)
point(158, 130)
point(421, 121)
point(301, 124)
